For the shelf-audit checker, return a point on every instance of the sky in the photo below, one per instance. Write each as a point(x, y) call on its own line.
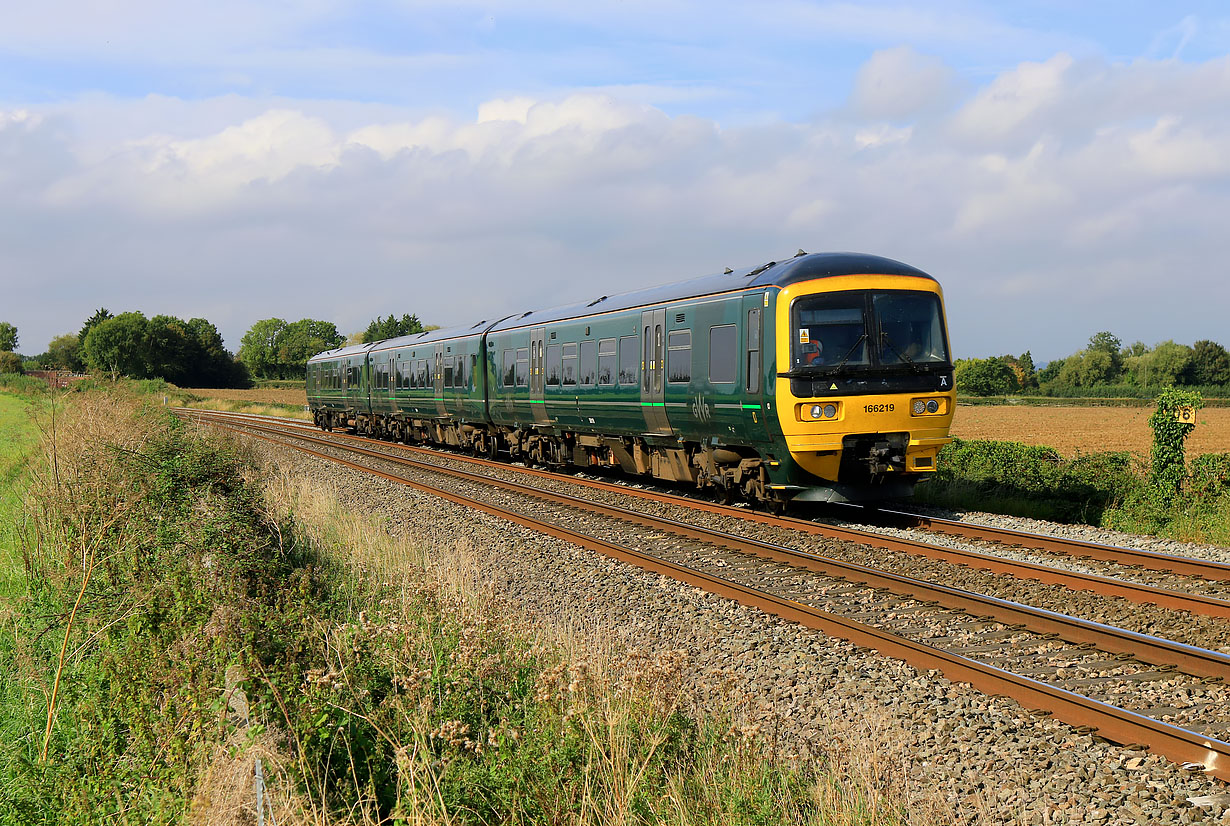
point(1061, 168)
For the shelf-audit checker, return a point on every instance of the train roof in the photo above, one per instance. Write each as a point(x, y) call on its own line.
point(412, 340)
point(804, 267)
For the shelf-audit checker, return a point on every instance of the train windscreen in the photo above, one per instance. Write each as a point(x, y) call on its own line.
point(864, 328)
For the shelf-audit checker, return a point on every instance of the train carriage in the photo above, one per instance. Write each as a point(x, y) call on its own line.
point(823, 377)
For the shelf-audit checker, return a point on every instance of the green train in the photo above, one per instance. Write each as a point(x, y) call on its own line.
point(824, 377)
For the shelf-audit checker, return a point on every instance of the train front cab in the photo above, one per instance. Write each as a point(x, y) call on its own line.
point(864, 385)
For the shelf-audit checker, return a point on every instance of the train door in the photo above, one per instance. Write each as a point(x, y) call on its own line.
point(757, 391)
point(538, 375)
point(653, 370)
point(438, 379)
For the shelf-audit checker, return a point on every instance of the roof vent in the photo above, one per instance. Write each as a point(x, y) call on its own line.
point(727, 271)
point(800, 252)
point(761, 269)
point(527, 312)
point(598, 300)
point(479, 324)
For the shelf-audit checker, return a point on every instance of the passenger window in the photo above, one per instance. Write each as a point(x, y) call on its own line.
point(589, 363)
point(679, 357)
point(448, 373)
point(510, 369)
point(523, 366)
point(627, 360)
point(553, 365)
point(606, 361)
point(569, 373)
point(723, 353)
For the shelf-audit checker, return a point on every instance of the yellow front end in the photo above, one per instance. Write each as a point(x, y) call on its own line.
point(820, 424)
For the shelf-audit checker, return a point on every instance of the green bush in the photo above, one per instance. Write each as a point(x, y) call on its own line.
point(1032, 480)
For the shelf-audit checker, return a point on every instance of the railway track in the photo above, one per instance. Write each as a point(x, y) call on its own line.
point(1067, 546)
point(1172, 697)
point(1183, 596)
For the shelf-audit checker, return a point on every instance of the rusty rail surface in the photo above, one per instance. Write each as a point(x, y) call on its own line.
point(1210, 755)
point(1152, 560)
point(1075, 580)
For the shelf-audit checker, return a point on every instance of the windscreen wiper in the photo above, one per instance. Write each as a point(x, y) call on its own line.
point(805, 372)
point(886, 340)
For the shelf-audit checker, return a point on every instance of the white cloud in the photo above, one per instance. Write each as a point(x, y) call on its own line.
point(898, 84)
point(1015, 99)
point(341, 211)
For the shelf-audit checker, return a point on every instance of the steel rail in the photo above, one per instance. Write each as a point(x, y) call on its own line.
point(1152, 560)
point(1146, 648)
point(1075, 580)
point(1194, 750)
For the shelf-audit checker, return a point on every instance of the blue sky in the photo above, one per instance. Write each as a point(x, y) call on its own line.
point(1061, 167)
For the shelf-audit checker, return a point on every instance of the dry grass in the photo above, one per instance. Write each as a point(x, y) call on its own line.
point(599, 681)
point(257, 395)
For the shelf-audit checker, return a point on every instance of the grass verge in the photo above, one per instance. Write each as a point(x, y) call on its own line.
point(1103, 489)
point(178, 622)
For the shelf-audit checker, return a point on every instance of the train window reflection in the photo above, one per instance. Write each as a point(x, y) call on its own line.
point(910, 328)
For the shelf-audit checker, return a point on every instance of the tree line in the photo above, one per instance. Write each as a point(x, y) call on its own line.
point(191, 353)
point(1103, 367)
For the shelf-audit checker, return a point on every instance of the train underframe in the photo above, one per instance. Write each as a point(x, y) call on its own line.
point(871, 468)
point(729, 472)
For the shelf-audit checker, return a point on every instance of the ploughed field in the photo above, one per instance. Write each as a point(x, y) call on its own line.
point(1069, 430)
point(1072, 430)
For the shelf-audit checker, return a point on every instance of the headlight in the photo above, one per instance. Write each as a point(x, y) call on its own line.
point(817, 412)
point(830, 410)
point(920, 406)
point(932, 405)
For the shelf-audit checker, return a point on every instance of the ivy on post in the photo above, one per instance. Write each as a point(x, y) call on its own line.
point(1173, 420)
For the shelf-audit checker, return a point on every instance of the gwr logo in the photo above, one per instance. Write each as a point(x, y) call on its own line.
point(700, 408)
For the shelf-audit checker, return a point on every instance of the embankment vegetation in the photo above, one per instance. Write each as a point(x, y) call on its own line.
point(179, 622)
point(1166, 495)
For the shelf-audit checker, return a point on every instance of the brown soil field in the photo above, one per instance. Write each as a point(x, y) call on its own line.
point(265, 396)
point(1072, 430)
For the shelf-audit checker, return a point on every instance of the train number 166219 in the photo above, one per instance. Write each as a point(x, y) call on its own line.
point(878, 408)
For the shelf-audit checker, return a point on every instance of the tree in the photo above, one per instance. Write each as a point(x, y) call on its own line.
point(10, 362)
point(1023, 367)
point(383, 328)
point(985, 377)
point(1051, 371)
point(215, 366)
point(1112, 367)
point(1088, 368)
point(300, 340)
point(273, 349)
point(172, 353)
point(120, 346)
point(64, 353)
point(100, 315)
point(1210, 363)
point(258, 349)
point(1165, 365)
point(8, 337)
